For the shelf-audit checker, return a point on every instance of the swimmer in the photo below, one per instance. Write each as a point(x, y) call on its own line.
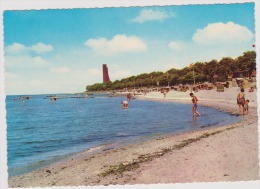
point(124, 104)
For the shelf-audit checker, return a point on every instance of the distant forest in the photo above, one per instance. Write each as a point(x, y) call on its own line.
point(211, 71)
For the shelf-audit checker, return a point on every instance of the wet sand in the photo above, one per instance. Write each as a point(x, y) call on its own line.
point(226, 153)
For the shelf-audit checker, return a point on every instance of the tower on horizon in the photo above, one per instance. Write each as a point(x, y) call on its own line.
point(105, 74)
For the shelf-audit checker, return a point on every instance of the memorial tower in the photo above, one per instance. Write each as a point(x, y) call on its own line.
point(105, 74)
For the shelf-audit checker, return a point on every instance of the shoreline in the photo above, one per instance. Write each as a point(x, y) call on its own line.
point(115, 145)
point(129, 164)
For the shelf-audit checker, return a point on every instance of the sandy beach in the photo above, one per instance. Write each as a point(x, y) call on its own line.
point(226, 153)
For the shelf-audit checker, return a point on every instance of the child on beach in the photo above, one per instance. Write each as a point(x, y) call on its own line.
point(251, 90)
point(246, 107)
point(194, 104)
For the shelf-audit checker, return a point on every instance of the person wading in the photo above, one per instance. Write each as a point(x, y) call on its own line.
point(241, 100)
point(194, 104)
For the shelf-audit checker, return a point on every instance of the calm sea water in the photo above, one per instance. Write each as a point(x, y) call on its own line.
point(40, 133)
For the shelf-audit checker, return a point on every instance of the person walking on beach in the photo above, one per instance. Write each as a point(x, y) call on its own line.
point(194, 104)
point(164, 93)
point(241, 100)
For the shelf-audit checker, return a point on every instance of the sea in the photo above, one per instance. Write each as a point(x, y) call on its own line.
point(40, 133)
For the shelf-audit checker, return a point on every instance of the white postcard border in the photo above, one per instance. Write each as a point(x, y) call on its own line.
point(68, 4)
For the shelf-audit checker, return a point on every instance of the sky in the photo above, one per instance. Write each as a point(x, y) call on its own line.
point(63, 50)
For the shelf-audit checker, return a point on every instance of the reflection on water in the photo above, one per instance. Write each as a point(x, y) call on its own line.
point(194, 123)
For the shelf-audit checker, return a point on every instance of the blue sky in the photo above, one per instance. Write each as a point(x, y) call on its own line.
point(55, 51)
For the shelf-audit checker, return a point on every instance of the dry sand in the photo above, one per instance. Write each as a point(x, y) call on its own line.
point(227, 153)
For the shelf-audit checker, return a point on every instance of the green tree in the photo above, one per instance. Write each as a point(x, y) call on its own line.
point(203, 71)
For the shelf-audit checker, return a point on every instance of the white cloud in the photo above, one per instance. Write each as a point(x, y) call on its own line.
point(119, 44)
point(116, 72)
point(58, 70)
point(176, 45)
point(151, 15)
point(10, 76)
point(41, 48)
point(25, 61)
point(119, 74)
point(39, 62)
point(19, 49)
point(221, 33)
point(15, 48)
point(94, 72)
point(37, 83)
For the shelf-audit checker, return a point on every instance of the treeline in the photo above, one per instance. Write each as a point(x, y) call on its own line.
point(203, 71)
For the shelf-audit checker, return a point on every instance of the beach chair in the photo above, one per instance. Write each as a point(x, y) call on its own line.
point(220, 88)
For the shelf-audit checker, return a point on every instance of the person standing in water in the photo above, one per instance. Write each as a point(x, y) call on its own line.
point(51, 98)
point(194, 104)
point(128, 96)
point(124, 104)
point(22, 99)
point(241, 100)
point(55, 98)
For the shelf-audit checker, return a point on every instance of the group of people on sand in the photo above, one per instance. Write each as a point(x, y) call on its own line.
point(242, 102)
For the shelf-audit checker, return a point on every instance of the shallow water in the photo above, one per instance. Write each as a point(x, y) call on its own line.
point(40, 133)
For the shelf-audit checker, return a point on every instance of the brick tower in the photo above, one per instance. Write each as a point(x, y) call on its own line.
point(105, 74)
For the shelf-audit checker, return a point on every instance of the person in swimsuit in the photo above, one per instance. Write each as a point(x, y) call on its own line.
point(194, 104)
point(241, 101)
point(251, 90)
point(124, 104)
point(51, 98)
point(246, 107)
point(164, 93)
point(22, 99)
point(128, 96)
